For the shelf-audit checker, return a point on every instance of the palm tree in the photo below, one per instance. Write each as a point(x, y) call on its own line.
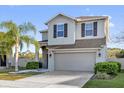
point(19, 36)
point(6, 43)
point(2, 41)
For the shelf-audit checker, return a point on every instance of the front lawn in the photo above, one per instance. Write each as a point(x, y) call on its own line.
point(5, 75)
point(8, 76)
point(117, 82)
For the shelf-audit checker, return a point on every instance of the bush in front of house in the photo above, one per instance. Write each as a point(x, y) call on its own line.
point(119, 65)
point(107, 67)
point(101, 75)
point(32, 65)
point(120, 54)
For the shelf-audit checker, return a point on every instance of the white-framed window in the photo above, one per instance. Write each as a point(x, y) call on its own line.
point(60, 30)
point(89, 29)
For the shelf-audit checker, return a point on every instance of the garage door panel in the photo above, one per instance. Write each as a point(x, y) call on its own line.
point(75, 61)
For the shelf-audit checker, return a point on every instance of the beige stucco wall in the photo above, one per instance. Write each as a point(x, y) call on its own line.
point(44, 36)
point(103, 52)
point(100, 30)
point(74, 31)
point(61, 40)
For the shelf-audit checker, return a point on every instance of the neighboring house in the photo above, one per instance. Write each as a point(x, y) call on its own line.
point(74, 44)
point(3, 58)
point(3, 61)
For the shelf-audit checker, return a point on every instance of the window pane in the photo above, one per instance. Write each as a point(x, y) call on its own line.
point(61, 27)
point(60, 30)
point(60, 34)
point(89, 29)
point(89, 26)
point(88, 32)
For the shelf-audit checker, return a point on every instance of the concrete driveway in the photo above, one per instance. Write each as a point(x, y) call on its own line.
point(56, 79)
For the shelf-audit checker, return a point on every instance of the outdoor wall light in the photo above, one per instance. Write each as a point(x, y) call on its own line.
point(50, 54)
point(99, 54)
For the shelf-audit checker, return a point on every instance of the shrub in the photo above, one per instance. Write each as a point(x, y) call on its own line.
point(119, 65)
point(106, 67)
point(32, 65)
point(120, 54)
point(100, 75)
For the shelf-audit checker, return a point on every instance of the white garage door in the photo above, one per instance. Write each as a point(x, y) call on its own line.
point(75, 61)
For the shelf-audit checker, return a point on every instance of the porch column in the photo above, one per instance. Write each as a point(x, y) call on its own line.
point(10, 59)
point(45, 57)
point(36, 55)
point(50, 60)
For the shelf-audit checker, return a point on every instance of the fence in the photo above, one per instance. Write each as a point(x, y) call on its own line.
point(121, 60)
point(23, 62)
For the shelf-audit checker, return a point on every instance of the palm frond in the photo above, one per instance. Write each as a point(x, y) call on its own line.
point(8, 25)
point(36, 44)
point(26, 39)
point(26, 27)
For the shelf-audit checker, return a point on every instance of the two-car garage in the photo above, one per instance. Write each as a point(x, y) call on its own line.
point(80, 56)
point(75, 61)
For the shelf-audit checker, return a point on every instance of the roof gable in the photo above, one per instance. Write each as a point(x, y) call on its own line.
point(59, 15)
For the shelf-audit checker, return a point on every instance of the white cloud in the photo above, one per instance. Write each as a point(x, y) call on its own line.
point(110, 17)
point(111, 24)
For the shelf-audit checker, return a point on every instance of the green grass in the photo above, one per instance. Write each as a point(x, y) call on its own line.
point(5, 75)
point(8, 76)
point(117, 82)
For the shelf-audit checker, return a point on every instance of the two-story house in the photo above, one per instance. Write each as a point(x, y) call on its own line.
point(74, 44)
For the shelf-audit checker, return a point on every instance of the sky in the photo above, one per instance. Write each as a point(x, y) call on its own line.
point(38, 15)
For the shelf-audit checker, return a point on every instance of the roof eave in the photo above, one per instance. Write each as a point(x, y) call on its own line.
point(58, 15)
point(43, 31)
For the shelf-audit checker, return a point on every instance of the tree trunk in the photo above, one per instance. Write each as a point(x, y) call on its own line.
point(16, 56)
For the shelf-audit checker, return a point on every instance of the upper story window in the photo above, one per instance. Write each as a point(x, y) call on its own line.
point(60, 30)
point(89, 29)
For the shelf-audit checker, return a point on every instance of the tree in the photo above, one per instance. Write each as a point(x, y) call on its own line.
point(19, 36)
point(6, 43)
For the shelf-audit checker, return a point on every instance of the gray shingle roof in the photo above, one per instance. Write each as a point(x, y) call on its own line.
point(88, 18)
point(84, 43)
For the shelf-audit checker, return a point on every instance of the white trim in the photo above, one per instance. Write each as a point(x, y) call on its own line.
point(86, 51)
point(58, 15)
point(78, 49)
point(74, 50)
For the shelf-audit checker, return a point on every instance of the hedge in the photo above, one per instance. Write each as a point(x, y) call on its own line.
point(107, 67)
point(32, 65)
point(119, 65)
